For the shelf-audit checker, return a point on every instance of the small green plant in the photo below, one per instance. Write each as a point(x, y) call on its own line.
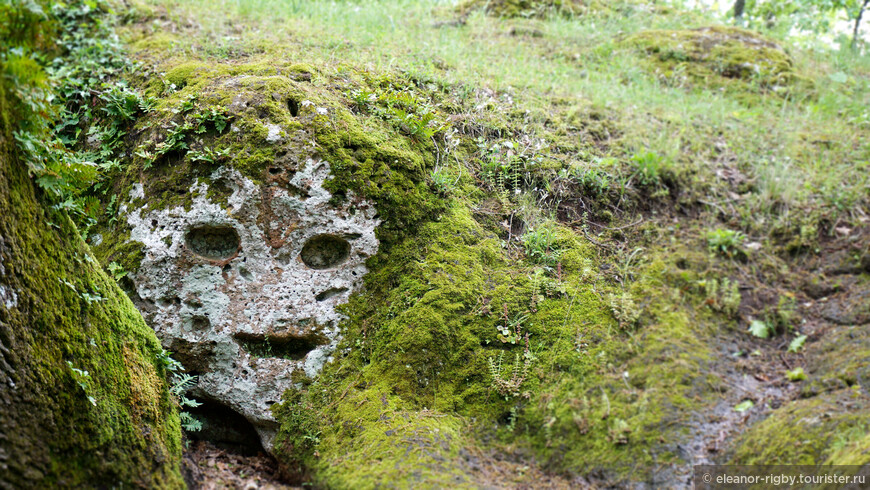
point(722, 296)
point(796, 374)
point(214, 117)
point(123, 104)
point(744, 406)
point(647, 168)
point(82, 377)
point(362, 98)
point(540, 246)
point(420, 127)
point(188, 103)
point(619, 431)
point(442, 181)
point(507, 166)
point(116, 270)
point(511, 330)
point(180, 384)
point(545, 286)
point(510, 386)
point(785, 313)
point(85, 295)
point(725, 242)
point(592, 180)
point(797, 343)
point(415, 117)
point(624, 308)
point(512, 419)
point(761, 329)
point(91, 298)
point(174, 141)
point(208, 155)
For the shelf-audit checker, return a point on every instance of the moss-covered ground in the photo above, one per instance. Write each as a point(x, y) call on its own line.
point(582, 216)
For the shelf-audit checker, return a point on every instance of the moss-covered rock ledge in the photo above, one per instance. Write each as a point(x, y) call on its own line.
point(83, 397)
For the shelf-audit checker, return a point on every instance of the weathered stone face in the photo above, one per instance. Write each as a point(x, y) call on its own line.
point(243, 292)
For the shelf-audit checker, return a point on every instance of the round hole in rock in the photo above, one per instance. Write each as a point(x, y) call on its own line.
point(325, 251)
point(213, 242)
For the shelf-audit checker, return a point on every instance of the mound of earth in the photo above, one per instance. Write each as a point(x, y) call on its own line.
point(532, 8)
point(715, 57)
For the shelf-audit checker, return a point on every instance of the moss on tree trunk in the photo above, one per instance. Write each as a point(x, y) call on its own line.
point(83, 396)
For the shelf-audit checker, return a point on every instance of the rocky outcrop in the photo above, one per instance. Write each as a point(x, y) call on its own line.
point(239, 263)
point(245, 293)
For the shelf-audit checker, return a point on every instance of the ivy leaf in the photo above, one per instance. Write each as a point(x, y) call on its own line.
point(744, 406)
point(797, 343)
point(759, 329)
point(796, 374)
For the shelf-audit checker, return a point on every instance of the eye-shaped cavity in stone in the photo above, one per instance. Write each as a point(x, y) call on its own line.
point(325, 251)
point(213, 242)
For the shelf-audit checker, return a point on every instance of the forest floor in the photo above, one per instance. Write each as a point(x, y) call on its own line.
point(208, 467)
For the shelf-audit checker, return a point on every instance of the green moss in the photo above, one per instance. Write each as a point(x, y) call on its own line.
point(844, 354)
point(115, 246)
point(614, 375)
point(420, 340)
point(377, 441)
point(180, 74)
point(535, 8)
point(810, 432)
point(716, 57)
point(851, 448)
point(614, 405)
point(425, 329)
point(829, 425)
point(117, 425)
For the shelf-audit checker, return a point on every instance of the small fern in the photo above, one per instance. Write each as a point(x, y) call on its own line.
point(181, 383)
point(510, 386)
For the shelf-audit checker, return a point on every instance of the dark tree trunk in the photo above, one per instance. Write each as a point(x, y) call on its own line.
point(739, 6)
point(857, 23)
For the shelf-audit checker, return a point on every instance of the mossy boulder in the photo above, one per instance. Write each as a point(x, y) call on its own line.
point(240, 242)
point(459, 335)
point(84, 399)
point(533, 8)
point(715, 57)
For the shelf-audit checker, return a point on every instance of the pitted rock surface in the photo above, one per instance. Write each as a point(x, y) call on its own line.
point(244, 291)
